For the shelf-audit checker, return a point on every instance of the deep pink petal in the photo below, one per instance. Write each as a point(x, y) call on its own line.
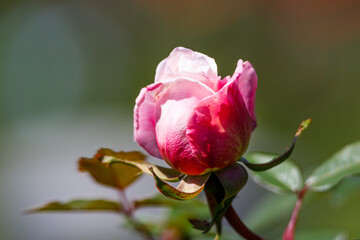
point(144, 119)
point(173, 109)
point(246, 77)
point(222, 83)
point(219, 129)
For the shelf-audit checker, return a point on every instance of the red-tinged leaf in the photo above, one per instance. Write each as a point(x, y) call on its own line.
point(188, 188)
point(118, 176)
point(166, 174)
point(79, 205)
point(285, 155)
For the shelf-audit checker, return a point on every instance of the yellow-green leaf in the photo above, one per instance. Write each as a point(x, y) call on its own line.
point(119, 176)
point(166, 174)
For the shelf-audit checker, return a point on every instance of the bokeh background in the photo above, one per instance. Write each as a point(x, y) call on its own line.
point(70, 71)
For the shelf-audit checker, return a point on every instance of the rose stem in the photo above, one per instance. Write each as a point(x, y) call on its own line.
point(290, 229)
point(239, 226)
point(128, 208)
point(212, 205)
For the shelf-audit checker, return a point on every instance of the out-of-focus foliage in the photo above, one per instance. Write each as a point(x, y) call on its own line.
point(321, 234)
point(119, 175)
point(344, 163)
point(107, 205)
point(80, 205)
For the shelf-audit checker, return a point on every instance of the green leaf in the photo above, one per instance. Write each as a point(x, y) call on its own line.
point(166, 174)
point(286, 177)
point(261, 217)
point(80, 205)
point(118, 176)
point(188, 188)
point(321, 234)
point(345, 190)
point(342, 164)
point(276, 160)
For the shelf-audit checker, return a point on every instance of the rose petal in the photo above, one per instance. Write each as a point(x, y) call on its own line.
point(144, 119)
point(219, 129)
point(183, 62)
point(173, 109)
point(246, 77)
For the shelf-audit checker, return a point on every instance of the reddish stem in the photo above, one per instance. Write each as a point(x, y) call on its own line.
point(128, 208)
point(289, 233)
point(239, 226)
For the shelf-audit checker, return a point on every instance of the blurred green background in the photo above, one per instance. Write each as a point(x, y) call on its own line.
point(71, 70)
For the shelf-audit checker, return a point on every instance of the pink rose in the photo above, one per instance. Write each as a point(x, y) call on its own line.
point(193, 119)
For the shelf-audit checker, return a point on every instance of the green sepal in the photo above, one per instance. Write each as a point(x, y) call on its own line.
point(277, 160)
point(221, 189)
point(284, 178)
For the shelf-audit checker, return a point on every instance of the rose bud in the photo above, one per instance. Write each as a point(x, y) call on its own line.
point(193, 119)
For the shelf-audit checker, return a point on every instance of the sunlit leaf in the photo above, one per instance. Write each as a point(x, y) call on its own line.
point(286, 177)
point(166, 174)
point(276, 160)
point(80, 205)
point(344, 163)
point(188, 188)
point(119, 176)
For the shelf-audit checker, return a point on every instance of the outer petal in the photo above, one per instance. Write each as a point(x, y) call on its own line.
point(246, 77)
point(144, 119)
point(173, 110)
point(219, 129)
point(183, 62)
